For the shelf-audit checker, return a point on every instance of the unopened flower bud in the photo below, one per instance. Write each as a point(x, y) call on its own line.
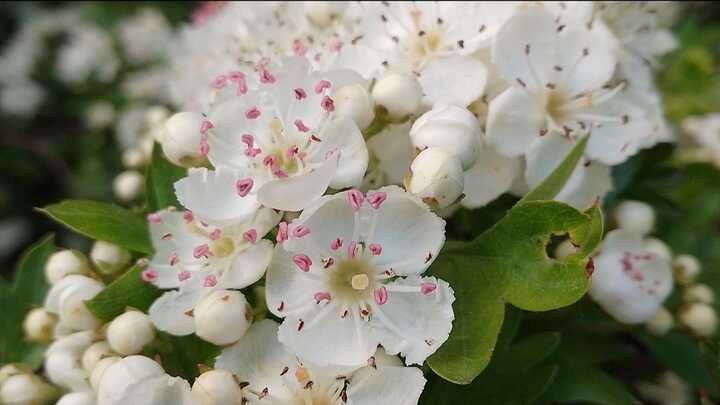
point(12, 369)
point(66, 262)
point(181, 139)
point(39, 325)
point(400, 95)
point(658, 247)
point(222, 317)
point(27, 389)
point(62, 361)
point(67, 299)
point(323, 13)
point(450, 128)
point(100, 115)
point(100, 369)
point(124, 373)
point(77, 398)
point(660, 323)
point(353, 101)
point(108, 258)
point(436, 177)
point(699, 293)
point(635, 216)
point(565, 249)
point(130, 332)
point(700, 318)
point(134, 158)
point(216, 387)
point(128, 185)
point(687, 268)
point(93, 354)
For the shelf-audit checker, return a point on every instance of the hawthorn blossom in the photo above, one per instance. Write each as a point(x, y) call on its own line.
point(194, 258)
point(267, 371)
point(349, 277)
point(278, 130)
point(629, 282)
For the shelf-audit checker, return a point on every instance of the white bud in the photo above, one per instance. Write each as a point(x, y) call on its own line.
point(635, 216)
point(130, 332)
point(687, 268)
point(436, 177)
point(133, 158)
point(67, 299)
point(323, 13)
point(122, 374)
point(66, 262)
point(450, 128)
point(181, 139)
point(216, 387)
point(700, 318)
point(100, 369)
point(658, 247)
point(108, 258)
point(63, 368)
point(400, 95)
point(77, 398)
point(222, 317)
point(156, 115)
point(12, 369)
point(100, 115)
point(39, 325)
point(93, 354)
point(27, 389)
point(565, 249)
point(353, 101)
point(699, 293)
point(660, 323)
point(128, 185)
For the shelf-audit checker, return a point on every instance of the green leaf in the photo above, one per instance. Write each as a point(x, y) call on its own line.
point(529, 352)
point(181, 355)
point(130, 290)
point(28, 291)
point(160, 177)
point(552, 184)
point(103, 221)
point(586, 384)
point(508, 263)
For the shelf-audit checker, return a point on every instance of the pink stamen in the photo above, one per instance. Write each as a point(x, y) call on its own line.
point(149, 275)
point(204, 148)
point(427, 288)
point(315, 138)
point(381, 295)
point(321, 86)
point(188, 216)
point(336, 244)
point(236, 76)
point(242, 87)
point(248, 140)
point(355, 199)
point(270, 160)
point(320, 296)
point(303, 262)
point(300, 93)
point(154, 218)
point(301, 126)
point(219, 82)
point(300, 231)
point(252, 152)
point(266, 77)
point(252, 113)
point(201, 251)
point(291, 152)
point(327, 104)
point(377, 198)
point(282, 234)
point(166, 236)
point(280, 174)
point(215, 235)
point(250, 236)
point(375, 249)
point(244, 186)
point(336, 46)
point(210, 281)
point(205, 126)
point(183, 275)
point(351, 250)
point(328, 262)
point(299, 49)
point(263, 63)
point(173, 259)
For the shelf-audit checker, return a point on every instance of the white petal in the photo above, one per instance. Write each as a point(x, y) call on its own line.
point(286, 287)
point(212, 195)
point(225, 138)
point(514, 120)
point(587, 59)
point(457, 80)
point(412, 323)
point(386, 385)
point(248, 266)
point(296, 192)
point(394, 151)
point(169, 313)
point(343, 135)
point(490, 176)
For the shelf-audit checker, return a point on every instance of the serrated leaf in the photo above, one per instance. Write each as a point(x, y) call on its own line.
point(103, 221)
point(28, 291)
point(130, 290)
point(181, 355)
point(160, 177)
point(554, 182)
point(508, 263)
point(588, 385)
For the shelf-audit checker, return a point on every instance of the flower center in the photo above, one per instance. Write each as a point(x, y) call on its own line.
point(222, 247)
point(555, 102)
point(352, 280)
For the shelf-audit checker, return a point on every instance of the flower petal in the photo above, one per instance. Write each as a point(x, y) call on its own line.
point(514, 120)
point(248, 266)
point(170, 312)
point(490, 176)
point(297, 192)
point(386, 385)
point(457, 80)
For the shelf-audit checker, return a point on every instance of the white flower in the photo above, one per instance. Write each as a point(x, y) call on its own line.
point(77, 398)
point(89, 51)
point(63, 361)
point(217, 387)
point(349, 277)
point(66, 262)
point(669, 390)
point(94, 353)
point(39, 325)
point(99, 370)
point(700, 318)
point(144, 36)
point(27, 389)
point(699, 293)
point(67, 297)
point(705, 131)
point(660, 323)
point(391, 154)
point(181, 139)
point(628, 282)
point(128, 185)
point(635, 216)
point(222, 317)
point(109, 258)
point(354, 101)
point(436, 177)
point(197, 258)
point(687, 268)
point(491, 175)
point(453, 129)
point(268, 372)
point(9, 370)
point(658, 247)
point(139, 380)
point(398, 94)
point(130, 332)
point(558, 75)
